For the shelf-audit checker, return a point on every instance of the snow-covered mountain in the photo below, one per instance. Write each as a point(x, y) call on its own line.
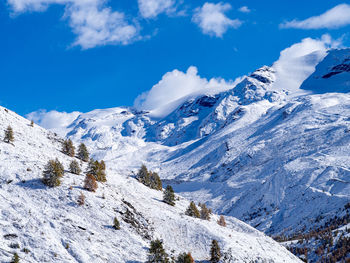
point(275, 156)
point(262, 153)
point(46, 224)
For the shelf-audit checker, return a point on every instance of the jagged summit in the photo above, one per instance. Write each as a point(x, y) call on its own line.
point(265, 74)
point(256, 86)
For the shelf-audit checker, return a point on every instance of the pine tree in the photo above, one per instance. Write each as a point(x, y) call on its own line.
point(90, 183)
point(156, 183)
point(169, 196)
point(143, 176)
point(222, 221)
point(68, 148)
point(205, 212)
point(91, 166)
point(116, 224)
point(192, 210)
point(185, 258)
point(97, 169)
point(74, 167)
point(9, 135)
point(215, 253)
point(102, 165)
point(53, 172)
point(83, 153)
point(15, 258)
point(148, 178)
point(156, 253)
point(101, 171)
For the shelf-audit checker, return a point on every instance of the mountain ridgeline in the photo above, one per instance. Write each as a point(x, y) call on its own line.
point(273, 157)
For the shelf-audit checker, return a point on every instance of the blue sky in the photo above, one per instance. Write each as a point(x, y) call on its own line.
point(51, 60)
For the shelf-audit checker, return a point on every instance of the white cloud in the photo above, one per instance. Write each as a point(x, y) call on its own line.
point(212, 20)
point(53, 120)
point(298, 62)
point(92, 22)
point(152, 8)
point(336, 17)
point(176, 87)
point(244, 9)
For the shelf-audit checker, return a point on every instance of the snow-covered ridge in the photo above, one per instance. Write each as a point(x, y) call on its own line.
point(255, 136)
point(274, 157)
point(46, 225)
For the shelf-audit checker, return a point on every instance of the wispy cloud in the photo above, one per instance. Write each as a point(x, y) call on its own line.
point(298, 61)
point(244, 9)
point(212, 20)
point(176, 87)
point(336, 17)
point(94, 23)
point(152, 8)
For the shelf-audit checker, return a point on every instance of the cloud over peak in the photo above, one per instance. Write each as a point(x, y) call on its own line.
point(212, 20)
point(336, 17)
point(176, 87)
point(298, 61)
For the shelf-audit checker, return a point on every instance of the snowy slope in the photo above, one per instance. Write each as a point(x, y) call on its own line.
point(280, 173)
point(265, 154)
point(49, 223)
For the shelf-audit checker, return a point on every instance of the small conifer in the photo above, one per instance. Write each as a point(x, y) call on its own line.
point(68, 148)
point(156, 253)
point(90, 183)
point(205, 212)
point(169, 196)
point(116, 224)
point(9, 137)
point(156, 183)
point(143, 176)
point(192, 210)
point(215, 253)
point(52, 173)
point(185, 258)
point(83, 153)
point(222, 221)
point(74, 167)
point(148, 178)
point(97, 169)
point(15, 258)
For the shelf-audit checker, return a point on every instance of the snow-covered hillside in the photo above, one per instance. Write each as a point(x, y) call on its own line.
point(274, 155)
point(46, 224)
point(262, 153)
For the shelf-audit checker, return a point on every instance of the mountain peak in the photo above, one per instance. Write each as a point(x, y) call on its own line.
point(257, 86)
